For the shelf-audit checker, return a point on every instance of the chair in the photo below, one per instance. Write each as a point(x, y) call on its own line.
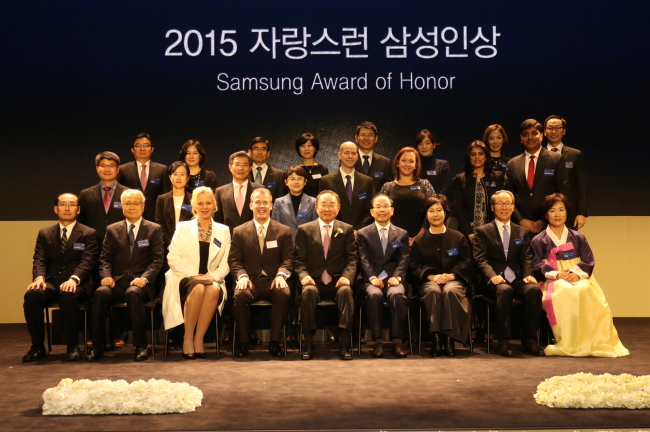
point(260, 303)
point(150, 306)
point(324, 304)
point(48, 310)
point(216, 332)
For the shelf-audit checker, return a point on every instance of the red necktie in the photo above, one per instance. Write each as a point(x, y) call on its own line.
point(554, 149)
point(531, 172)
point(107, 198)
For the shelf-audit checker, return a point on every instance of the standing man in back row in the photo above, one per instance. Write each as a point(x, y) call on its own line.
point(370, 163)
point(263, 173)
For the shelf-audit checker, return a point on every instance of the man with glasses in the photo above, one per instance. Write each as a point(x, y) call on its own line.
point(384, 261)
point(263, 173)
point(132, 255)
point(144, 174)
point(64, 260)
point(576, 170)
point(503, 255)
point(372, 164)
point(532, 176)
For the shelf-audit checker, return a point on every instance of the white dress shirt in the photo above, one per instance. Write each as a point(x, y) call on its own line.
point(345, 180)
point(146, 170)
point(68, 228)
point(559, 148)
point(244, 188)
point(264, 167)
point(135, 230)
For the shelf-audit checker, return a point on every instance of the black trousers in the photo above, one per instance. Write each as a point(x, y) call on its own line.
point(374, 301)
point(261, 290)
point(503, 294)
point(312, 294)
point(36, 301)
point(135, 298)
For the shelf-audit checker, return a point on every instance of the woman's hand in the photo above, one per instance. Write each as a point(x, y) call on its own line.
point(568, 276)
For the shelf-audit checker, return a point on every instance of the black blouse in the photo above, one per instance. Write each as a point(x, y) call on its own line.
point(312, 187)
point(433, 254)
point(202, 178)
point(204, 250)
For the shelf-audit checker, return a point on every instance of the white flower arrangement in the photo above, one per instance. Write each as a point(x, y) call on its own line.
point(585, 390)
point(119, 397)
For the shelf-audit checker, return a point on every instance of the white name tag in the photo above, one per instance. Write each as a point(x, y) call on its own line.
point(315, 176)
point(271, 244)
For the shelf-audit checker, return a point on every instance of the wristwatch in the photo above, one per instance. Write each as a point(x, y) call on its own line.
point(76, 279)
point(145, 279)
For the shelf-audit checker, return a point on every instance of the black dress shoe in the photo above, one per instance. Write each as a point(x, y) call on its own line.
point(190, 356)
point(94, 355)
point(241, 350)
point(200, 355)
point(505, 350)
point(307, 351)
point(35, 353)
point(141, 354)
point(345, 351)
point(73, 353)
point(276, 349)
point(378, 351)
point(532, 347)
point(253, 339)
point(399, 350)
point(450, 347)
point(436, 349)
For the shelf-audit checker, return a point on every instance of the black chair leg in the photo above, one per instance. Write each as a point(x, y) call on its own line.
point(49, 332)
point(489, 334)
point(408, 319)
point(360, 327)
point(420, 331)
point(284, 337)
point(166, 341)
point(85, 331)
point(216, 331)
point(234, 338)
point(153, 345)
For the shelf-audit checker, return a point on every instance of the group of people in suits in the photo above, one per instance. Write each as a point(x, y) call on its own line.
point(325, 235)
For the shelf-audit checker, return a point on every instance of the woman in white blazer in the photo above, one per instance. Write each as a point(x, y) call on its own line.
point(295, 208)
point(198, 264)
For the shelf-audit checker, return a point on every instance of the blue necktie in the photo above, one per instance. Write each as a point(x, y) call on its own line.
point(348, 187)
point(509, 274)
point(131, 238)
point(384, 242)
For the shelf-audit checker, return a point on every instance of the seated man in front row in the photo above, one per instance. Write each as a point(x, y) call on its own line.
point(503, 255)
point(132, 256)
point(384, 259)
point(261, 261)
point(326, 264)
point(64, 259)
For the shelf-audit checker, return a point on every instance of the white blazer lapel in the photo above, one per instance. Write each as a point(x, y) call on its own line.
point(214, 247)
point(192, 243)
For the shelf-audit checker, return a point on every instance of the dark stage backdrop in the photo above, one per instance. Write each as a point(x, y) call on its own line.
point(81, 77)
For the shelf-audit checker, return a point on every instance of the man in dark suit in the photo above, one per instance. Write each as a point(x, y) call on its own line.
point(263, 173)
point(144, 174)
point(233, 199)
point(503, 255)
point(576, 170)
point(384, 260)
point(532, 176)
point(261, 261)
point(64, 259)
point(131, 258)
point(100, 205)
point(354, 188)
point(326, 264)
point(372, 164)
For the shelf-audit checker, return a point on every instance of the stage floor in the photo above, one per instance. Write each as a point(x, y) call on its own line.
point(470, 392)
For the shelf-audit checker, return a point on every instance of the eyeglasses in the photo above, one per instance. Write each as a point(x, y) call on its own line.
point(382, 207)
point(363, 135)
point(68, 205)
point(554, 128)
point(132, 203)
point(238, 165)
point(259, 149)
point(144, 146)
point(328, 206)
point(503, 204)
point(111, 166)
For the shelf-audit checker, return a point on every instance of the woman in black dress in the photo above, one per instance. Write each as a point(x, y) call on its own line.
point(435, 170)
point(496, 138)
point(474, 188)
point(193, 154)
point(307, 146)
point(441, 260)
point(408, 192)
point(174, 206)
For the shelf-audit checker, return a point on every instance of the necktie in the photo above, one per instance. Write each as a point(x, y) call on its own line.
point(348, 187)
point(239, 200)
point(260, 238)
point(554, 149)
point(64, 240)
point(131, 238)
point(258, 176)
point(531, 172)
point(107, 198)
point(366, 165)
point(509, 274)
point(384, 242)
point(325, 277)
point(143, 177)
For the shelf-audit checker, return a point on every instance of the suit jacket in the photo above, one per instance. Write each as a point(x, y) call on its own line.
point(116, 260)
point(464, 198)
point(283, 212)
point(438, 173)
point(373, 260)
point(576, 185)
point(166, 215)
point(454, 255)
point(206, 178)
point(227, 213)
point(341, 257)
point(92, 212)
point(157, 183)
point(273, 181)
point(381, 169)
point(246, 258)
point(184, 260)
point(357, 212)
point(78, 259)
point(550, 177)
point(490, 257)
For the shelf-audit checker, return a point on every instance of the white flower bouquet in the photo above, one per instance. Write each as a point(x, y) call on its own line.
point(119, 397)
point(585, 390)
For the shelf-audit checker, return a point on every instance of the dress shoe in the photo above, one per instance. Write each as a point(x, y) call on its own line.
point(253, 339)
point(200, 355)
point(532, 347)
point(73, 353)
point(307, 351)
point(436, 349)
point(141, 354)
point(190, 356)
point(35, 353)
point(505, 350)
point(450, 347)
point(378, 351)
point(94, 355)
point(118, 343)
point(241, 350)
point(399, 350)
point(276, 349)
point(345, 351)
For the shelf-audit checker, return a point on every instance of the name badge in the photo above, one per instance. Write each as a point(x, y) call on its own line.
point(520, 241)
point(452, 252)
point(396, 244)
point(155, 181)
point(363, 196)
point(569, 165)
point(271, 244)
point(565, 255)
point(186, 207)
point(199, 183)
point(217, 242)
point(414, 187)
point(549, 172)
point(316, 176)
point(271, 185)
point(79, 246)
point(143, 243)
point(117, 204)
point(431, 172)
point(379, 174)
point(302, 215)
point(503, 164)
